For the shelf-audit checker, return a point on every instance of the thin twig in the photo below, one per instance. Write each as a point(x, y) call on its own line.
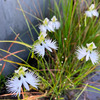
point(22, 93)
point(50, 70)
point(82, 91)
point(11, 54)
point(8, 51)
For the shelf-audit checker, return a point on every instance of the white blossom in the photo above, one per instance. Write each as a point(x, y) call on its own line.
point(92, 11)
point(14, 84)
point(88, 52)
point(55, 23)
point(46, 44)
point(46, 26)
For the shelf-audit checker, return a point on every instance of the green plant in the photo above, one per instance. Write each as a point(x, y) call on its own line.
point(60, 70)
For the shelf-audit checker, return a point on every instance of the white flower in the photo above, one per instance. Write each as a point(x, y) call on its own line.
point(92, 12)
point(14, 84)
point(46, 44)
point(88, 52)
point(55, 23)
point(46, 26)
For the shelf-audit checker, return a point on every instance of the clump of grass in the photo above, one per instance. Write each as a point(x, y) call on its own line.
point(68, 72)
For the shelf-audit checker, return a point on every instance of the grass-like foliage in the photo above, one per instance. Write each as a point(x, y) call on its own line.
point(73, 52)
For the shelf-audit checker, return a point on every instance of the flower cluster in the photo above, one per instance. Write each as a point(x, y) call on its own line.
point(44, 42)
point(21, 77)
point(24, 77)
point(49, 25)
point(89, 52)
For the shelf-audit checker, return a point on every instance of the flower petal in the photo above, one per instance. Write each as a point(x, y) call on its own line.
point(87, 55)
point(46, 46)
point(14, 86)
point(31, 79)
point(95, 13)
point(57, 25)
point(94, 57)
point(88, 13)
point(40, 49)
point(81, 52)
point(43, 28)
point(24, 83)
point(51, 44)
point(50, 27)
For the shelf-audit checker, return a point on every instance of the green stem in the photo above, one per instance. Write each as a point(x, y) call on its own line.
point(82, 91)
point(18, 97)
point(18, 42)
point(85, 21)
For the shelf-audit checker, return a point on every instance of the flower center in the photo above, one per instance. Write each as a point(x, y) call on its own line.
point(91, 7)
point(21, 71)
point(54, 19)
point(90, 47)
point(45, 22)
point(41, 38)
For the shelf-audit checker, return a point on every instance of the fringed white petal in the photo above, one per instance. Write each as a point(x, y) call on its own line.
point(94, 57)
point(24, 82)
point(51, 44)
point(32, 79)
point(81, 52)
point(14, 86)
point(47, 47)
point(40, 49)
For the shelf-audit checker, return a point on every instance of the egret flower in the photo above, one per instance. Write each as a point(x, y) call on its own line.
point(92, 11)
point(21, 78)
point(89, 52)
point(46, 26)
point(46, 44)
point(55, 23)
